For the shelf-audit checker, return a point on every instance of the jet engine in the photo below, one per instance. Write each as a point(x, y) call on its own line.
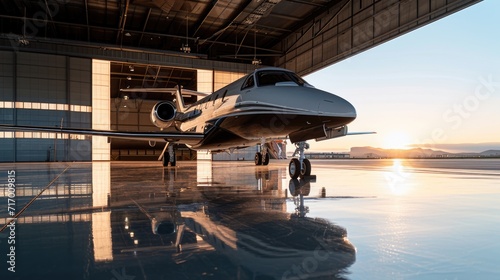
point(163, 114)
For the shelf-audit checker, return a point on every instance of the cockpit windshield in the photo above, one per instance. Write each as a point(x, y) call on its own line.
point(275, 77)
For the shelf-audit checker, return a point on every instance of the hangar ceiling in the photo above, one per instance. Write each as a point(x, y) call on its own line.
point(300, 35)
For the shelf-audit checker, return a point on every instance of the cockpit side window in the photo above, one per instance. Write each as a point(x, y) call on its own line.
point(298, 79)
point(249, 83)
point(272, 77)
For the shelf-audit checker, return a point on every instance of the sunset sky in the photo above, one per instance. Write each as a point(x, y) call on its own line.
point(438, 85)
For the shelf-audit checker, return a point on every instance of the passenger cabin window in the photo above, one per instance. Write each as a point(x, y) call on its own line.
point(271, 77)
point(249, 83)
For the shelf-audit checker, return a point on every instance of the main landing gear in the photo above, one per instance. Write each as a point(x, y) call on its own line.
point(299, 166)
point(169, 155)
point(262, 157)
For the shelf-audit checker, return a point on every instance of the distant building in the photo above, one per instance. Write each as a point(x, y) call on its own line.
point(327, 155)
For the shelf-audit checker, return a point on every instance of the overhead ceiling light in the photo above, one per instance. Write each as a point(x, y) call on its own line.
point(185, 47)
point(129, 78)
point(23, 42)
point(131, 68)
point(256, 61)
point(128, 34)
point(125, 97)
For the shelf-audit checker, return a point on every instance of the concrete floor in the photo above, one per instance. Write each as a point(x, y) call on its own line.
point(138, 220)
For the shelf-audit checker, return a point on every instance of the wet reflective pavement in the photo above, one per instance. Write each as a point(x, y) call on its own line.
point(372, 219)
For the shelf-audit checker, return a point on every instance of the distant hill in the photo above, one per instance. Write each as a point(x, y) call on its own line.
point(371, 152)
point(490, 153)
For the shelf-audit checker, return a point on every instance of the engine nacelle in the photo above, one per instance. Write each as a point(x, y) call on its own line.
point(163, 114)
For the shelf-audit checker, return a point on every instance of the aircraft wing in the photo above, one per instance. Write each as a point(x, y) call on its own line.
point(165, 90)
point(361, 133)
point(131, 135)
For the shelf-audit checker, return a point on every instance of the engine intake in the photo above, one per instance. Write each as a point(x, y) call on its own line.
point(163, 114)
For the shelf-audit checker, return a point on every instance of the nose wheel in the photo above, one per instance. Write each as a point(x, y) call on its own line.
point(296, 169)
point(299, 167)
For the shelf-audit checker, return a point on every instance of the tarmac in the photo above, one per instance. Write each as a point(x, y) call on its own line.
point(355, 219)
point(139, 220)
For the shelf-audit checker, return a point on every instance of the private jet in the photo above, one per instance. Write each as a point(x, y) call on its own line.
point(266, 105)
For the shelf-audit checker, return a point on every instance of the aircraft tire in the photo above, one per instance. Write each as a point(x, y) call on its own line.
point(258, 158)
point(294, 168)
point(294, 187)
point(266, 159)
point(306, 168)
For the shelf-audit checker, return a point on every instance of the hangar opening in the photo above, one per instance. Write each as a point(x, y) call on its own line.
point(130, 111)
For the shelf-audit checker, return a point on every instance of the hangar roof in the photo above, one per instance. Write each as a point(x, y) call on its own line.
point(297, 34)
point(223, 29)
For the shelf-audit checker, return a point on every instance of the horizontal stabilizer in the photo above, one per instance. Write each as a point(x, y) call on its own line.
point(165, 90)
point(131, 135)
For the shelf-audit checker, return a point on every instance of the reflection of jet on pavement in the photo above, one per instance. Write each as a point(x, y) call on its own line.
point(257, 239)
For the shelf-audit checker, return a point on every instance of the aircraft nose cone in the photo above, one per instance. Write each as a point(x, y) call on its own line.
point(335, 105)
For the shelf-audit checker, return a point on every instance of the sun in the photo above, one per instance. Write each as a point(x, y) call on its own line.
point(397, 140)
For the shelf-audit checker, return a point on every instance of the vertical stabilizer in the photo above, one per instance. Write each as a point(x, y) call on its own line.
point(179, 100)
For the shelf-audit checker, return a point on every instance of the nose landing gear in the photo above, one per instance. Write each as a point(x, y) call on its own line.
point(299, 167)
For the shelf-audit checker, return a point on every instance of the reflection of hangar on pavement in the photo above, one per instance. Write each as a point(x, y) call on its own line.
point(102, 220)
point(63, 62)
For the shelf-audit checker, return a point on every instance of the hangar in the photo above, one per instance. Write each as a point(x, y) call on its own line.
point(62, 62)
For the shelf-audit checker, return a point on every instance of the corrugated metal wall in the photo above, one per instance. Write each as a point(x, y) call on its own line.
point(357, 25)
